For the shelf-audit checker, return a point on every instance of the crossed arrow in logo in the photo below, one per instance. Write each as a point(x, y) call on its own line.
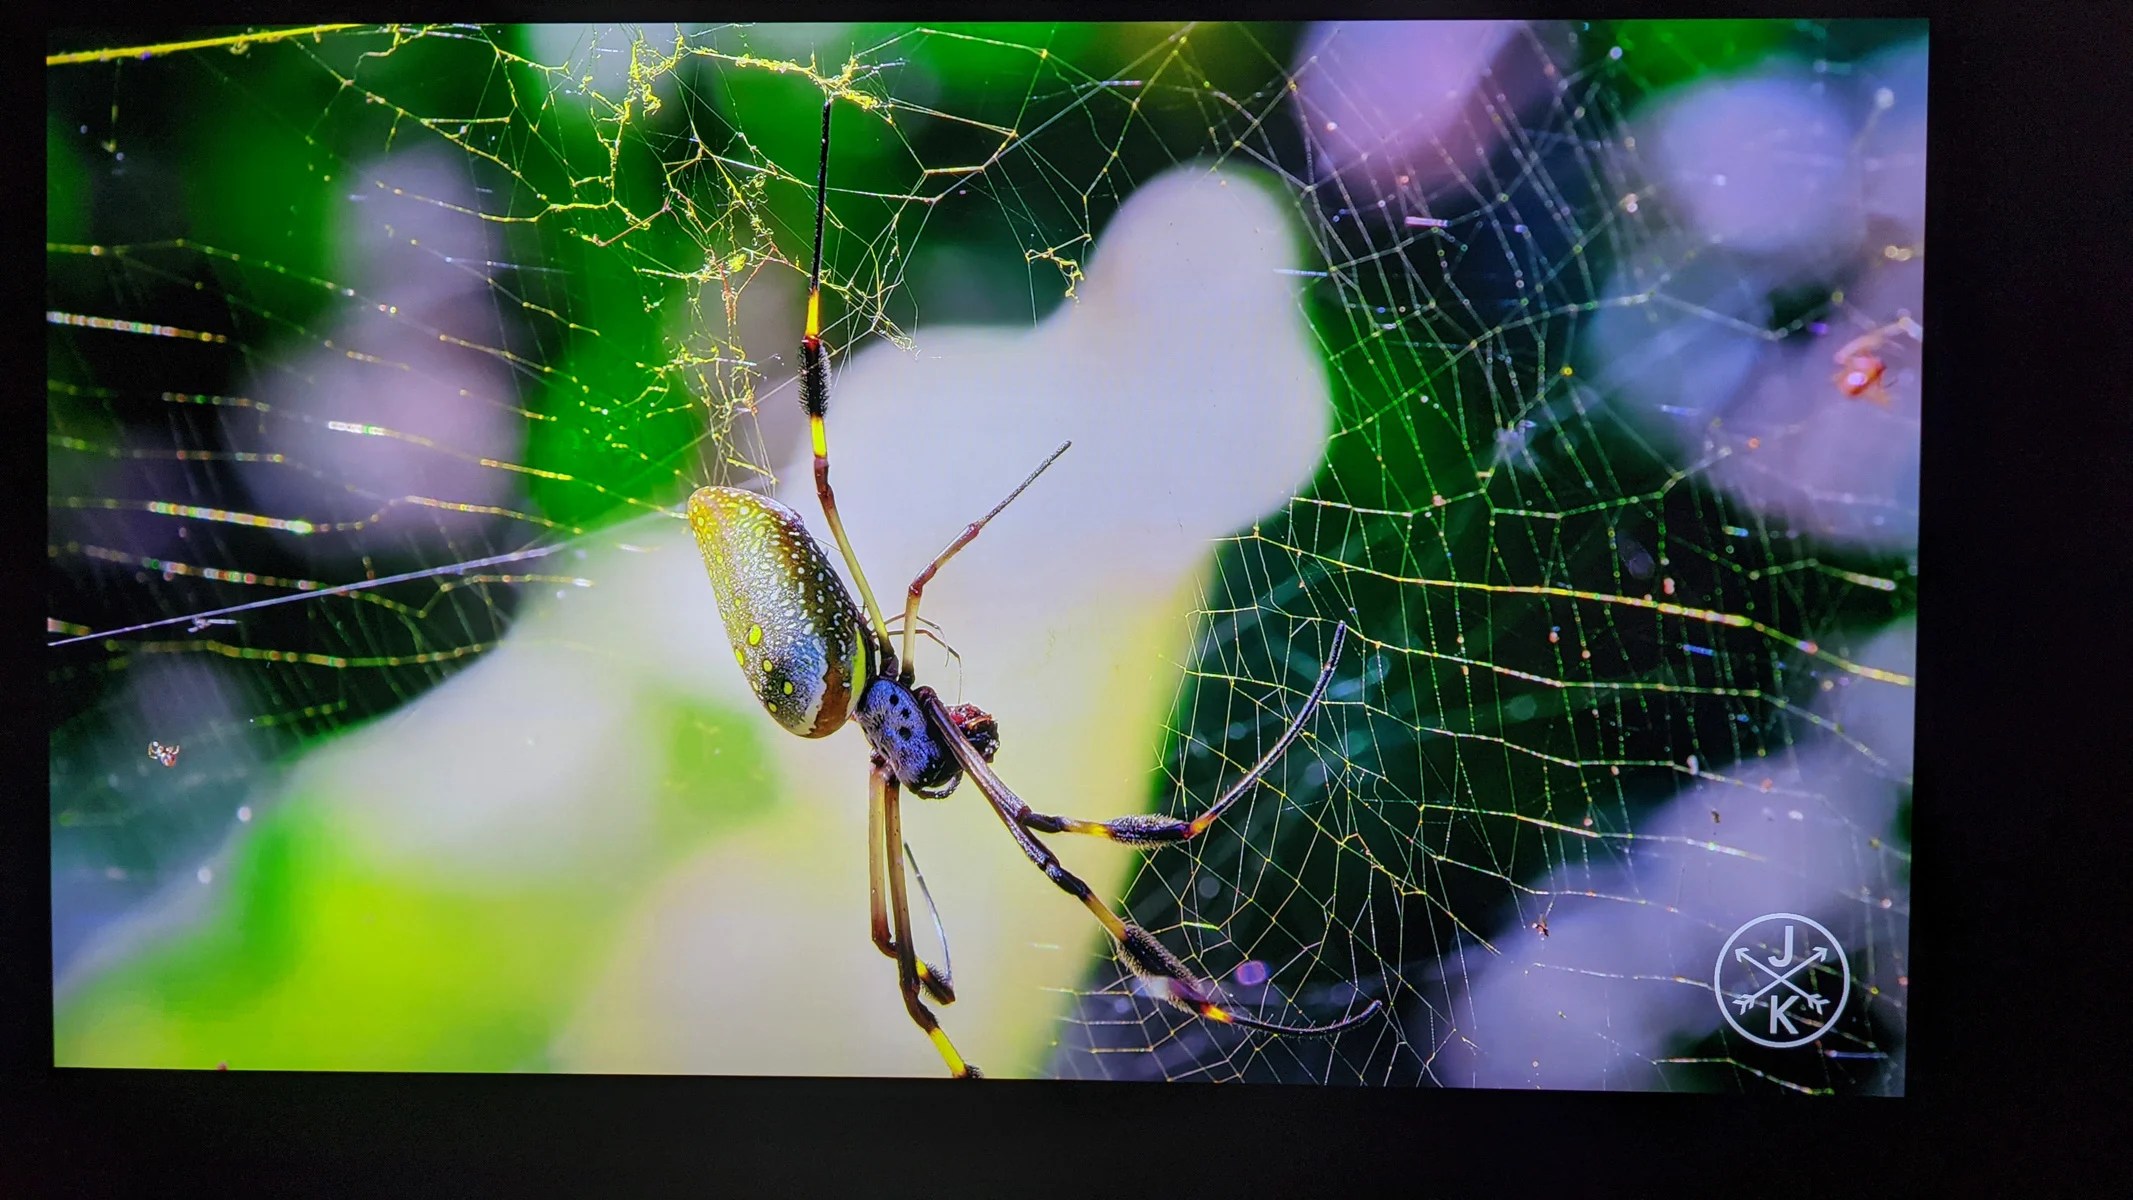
point(1782, 989)
point(1815, 1000)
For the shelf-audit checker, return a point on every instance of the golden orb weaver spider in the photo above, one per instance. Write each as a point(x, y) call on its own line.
point(815, 662)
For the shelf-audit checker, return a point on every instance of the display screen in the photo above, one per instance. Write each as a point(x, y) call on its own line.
point(533, 534)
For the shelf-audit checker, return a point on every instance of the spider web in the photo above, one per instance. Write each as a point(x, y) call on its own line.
point(423, 333)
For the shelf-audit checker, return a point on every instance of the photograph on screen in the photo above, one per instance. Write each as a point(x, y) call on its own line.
point(1345, 554)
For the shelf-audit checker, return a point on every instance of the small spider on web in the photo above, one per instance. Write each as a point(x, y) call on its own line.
point(1860, 366)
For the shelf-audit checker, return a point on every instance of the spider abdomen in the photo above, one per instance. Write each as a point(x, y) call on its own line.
point(795, 631)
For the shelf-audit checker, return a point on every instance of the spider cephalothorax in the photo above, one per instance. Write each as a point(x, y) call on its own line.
point(910, 749)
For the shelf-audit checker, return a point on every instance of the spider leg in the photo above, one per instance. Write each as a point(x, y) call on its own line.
point(928, 629)
point(943, 975)
point(962, 539)
point(1146, 956)
point(814, 400)
point(938, 983)
point(1153, 830)
point(907, 965)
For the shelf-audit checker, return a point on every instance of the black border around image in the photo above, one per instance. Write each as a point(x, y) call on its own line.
point(2024, 447)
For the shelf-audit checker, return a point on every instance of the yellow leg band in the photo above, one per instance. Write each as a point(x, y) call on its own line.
point(955, 1061)
point(1111, 923)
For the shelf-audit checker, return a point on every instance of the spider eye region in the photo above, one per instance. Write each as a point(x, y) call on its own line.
point(977, 725)
point(897, 730)
point(795, 631)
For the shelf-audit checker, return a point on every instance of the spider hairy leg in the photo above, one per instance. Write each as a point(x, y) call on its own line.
point(931, 632)
point(1154, 830)
point(940, 983)
point(814, 399)
point(907, 962)
point(1144, 955)
point(970, 532)
point(937, 983)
